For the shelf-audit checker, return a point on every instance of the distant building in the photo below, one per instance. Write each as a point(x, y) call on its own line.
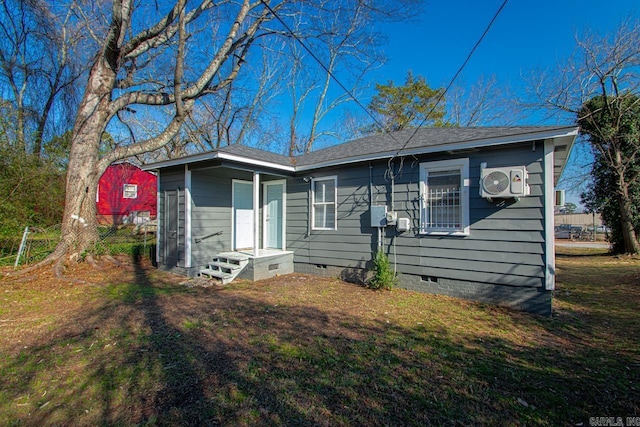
point(126, 194)
point(584, 219)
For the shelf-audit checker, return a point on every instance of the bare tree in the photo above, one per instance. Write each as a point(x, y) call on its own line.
point(241, 112)
point(162, 58)
point(484, 103)
point(39, 65)
point(130, 69)
point(344, 47)
point(313, 46)
point(299, 88)
point(598, 87)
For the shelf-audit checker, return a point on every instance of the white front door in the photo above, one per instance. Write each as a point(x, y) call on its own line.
point(274, 214)
point(242, 215)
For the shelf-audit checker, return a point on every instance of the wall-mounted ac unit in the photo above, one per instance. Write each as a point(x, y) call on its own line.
point(503, 183)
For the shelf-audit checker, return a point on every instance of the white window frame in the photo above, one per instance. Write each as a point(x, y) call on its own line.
point(326, 203)
point(439, 166)
point(124, 191)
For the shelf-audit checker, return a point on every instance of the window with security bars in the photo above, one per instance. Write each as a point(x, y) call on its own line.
point(445, 197)
point(443, 200)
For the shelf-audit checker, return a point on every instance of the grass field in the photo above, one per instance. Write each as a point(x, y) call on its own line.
point(136, 346)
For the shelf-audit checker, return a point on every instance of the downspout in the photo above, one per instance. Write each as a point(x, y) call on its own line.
point(378, 229)
point(177, 213)
point(393, 209)
point(309, 180)
point(309, 208)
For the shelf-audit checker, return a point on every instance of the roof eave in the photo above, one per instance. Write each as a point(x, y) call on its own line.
point(217, 155)
point(566, 132)
point(212, 155)
point(568, 141)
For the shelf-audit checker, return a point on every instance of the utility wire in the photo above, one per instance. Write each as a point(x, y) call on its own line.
point(464, 64)
point(390, 174)
point(324, 67)
point(355, 99)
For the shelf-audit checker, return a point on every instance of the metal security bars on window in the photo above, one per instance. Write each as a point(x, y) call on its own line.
point(443, 201)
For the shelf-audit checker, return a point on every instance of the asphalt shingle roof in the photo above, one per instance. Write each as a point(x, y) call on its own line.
point(424, 138)
point(387, 145)
point(255, 153)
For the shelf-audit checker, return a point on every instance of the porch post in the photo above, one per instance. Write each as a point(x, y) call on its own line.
point(256, 213)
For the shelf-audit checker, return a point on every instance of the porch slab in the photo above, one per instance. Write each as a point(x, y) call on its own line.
point(263, 253)
point(269, 263)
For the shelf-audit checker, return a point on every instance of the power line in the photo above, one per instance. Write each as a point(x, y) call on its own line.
point(464, 64)
point(324, 67)
point(366, 110)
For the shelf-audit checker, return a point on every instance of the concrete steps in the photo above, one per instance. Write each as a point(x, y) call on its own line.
point(225, 266)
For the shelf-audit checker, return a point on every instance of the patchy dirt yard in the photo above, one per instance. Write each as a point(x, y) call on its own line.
point(132, 345)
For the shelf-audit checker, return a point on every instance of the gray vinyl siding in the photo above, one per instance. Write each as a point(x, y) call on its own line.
point(501, 259)
point(211, 213)
point(505, 246)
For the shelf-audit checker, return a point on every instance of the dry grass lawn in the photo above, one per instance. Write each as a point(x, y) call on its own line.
point(135, 346)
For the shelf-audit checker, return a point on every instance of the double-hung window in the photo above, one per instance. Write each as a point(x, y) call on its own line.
point(324, 197)
point(444, 193)
point(130, 191)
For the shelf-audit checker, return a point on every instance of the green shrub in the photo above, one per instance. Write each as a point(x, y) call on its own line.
point(31, 191)
point(383, 275)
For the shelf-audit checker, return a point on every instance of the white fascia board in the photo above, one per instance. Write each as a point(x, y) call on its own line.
point(254, 162)
point(217, 155)
point(465, 145)
point(180, 161)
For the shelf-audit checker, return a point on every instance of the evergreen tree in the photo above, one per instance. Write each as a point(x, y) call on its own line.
point(612, 126)
point(410, 105)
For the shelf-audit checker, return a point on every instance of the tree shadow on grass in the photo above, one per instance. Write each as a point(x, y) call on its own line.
point(159, 353)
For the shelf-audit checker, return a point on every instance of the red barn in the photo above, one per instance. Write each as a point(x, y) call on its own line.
point(126, 193)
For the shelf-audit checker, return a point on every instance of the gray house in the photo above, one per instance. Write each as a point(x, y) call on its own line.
point(466, 212)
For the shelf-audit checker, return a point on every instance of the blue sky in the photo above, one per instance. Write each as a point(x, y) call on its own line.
point(527, 35)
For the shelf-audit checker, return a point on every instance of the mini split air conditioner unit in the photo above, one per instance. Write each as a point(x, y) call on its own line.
point(504, 183)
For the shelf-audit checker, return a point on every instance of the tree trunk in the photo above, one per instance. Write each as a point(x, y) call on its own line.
point(79, 224)
point(21, 143)
point(631, 245)
point(292, 135)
